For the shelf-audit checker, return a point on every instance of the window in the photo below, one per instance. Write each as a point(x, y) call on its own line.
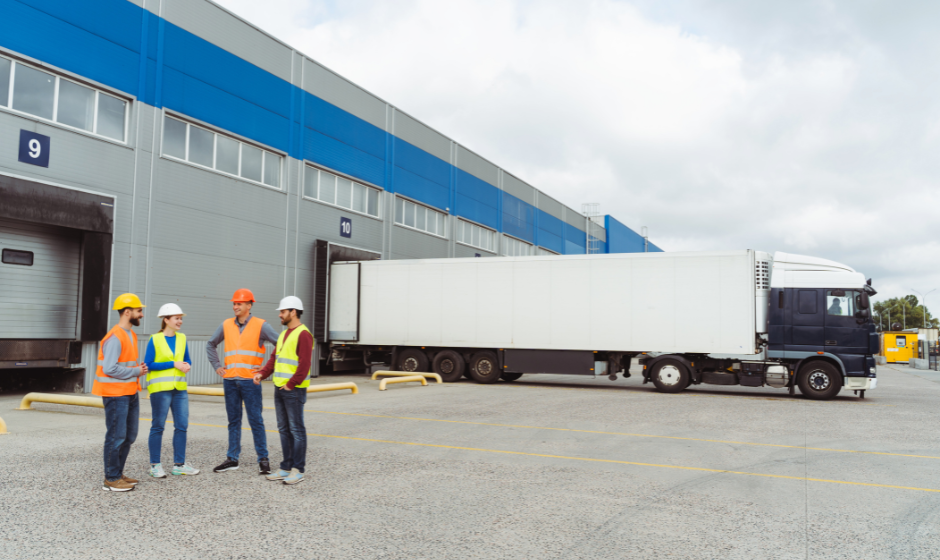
point(840, 303)
point(419, 217)
point(12, 256)
point(513, 247)
point(332, 189)
point(47, 96)
point(476, 236)
point(544, 251)
point(203, 147)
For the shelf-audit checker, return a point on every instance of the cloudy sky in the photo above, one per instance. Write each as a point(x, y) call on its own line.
point(809, 127)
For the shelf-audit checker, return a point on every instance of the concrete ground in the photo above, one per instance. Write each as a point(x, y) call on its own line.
point(546, 467)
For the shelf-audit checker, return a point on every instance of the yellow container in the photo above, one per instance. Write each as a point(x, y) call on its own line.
point(898, 346)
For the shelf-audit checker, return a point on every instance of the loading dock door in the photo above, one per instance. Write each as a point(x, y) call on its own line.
point(39, 280)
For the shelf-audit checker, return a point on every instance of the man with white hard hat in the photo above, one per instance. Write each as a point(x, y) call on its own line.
point(290, 365)
point(168, 362)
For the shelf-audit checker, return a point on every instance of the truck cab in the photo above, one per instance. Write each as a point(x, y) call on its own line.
point(819, 312)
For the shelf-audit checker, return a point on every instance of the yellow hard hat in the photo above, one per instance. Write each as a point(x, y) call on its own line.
point(127, 300)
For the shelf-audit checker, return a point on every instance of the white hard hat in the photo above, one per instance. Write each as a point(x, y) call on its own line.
point(291, 302)
point(170, 309)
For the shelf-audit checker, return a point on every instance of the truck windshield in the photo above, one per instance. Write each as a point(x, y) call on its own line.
point(841, 306)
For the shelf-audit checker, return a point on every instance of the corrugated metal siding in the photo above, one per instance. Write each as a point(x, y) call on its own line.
point(344, 94)
point(89, 362)
point(40, 301)
point(462, 251)
point(224, 30)
point(574, 218)
point(518, 189)
point(411, 244)
point(551, 206)
point(597, 231)
point(417, 134)
point(477, 166)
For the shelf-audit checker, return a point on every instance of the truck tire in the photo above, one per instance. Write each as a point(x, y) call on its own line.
point(449, 365)
point(669, 376)
point(510, 376)
point(484, 367)
point(412, 359)
point(819, 380)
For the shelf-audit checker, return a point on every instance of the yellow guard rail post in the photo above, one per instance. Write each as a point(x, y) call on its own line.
point(3, 427)
point(405, 379)
point(333, 387)
point(378, 374)
point(76, 400)
point(207, 391)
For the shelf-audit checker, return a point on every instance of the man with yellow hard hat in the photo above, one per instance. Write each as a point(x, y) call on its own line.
point(117, 383)
point(243, 350)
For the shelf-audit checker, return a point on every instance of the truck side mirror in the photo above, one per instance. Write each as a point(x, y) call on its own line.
point(863, 301)
point(862, 314)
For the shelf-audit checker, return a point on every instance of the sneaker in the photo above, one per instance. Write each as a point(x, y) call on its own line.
point(228, 465)
point(295, 477)
point(183, 469)
point(117, 486)
point(157, 471)
point(264, 467)
point(281, 474)
point(130, 480)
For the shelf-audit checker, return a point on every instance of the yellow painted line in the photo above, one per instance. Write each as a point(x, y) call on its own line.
point(595, 460)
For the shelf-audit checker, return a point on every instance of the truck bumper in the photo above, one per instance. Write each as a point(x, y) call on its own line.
point(860, 383)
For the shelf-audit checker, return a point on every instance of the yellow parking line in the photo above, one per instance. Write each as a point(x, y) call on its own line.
point(595, 460)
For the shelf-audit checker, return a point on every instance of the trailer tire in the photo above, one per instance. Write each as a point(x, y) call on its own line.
point(819, 380)
point(484, 367)
point(449, 365)
point(509, 376)
point(670, 376)
point(412, 359)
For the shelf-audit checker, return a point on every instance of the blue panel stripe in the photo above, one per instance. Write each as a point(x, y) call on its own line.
point(518, 218)
point(334, 154)
point(419, 162)
point(417, 187)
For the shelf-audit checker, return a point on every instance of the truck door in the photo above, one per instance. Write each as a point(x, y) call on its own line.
point(845, 337)
point(808, 320)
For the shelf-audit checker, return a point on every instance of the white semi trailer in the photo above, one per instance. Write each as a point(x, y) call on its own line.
point(725, 318)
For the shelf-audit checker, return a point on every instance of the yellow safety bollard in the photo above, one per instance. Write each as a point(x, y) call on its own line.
point(406, 379)
point(3, 427)
point(333, 387)
point(30, 398)
point(434, 376)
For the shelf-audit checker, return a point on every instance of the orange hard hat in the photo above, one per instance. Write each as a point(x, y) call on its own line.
point(243, 295)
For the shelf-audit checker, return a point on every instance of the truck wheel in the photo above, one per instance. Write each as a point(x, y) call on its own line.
point(670, 376)
point(449, 365)
point(484, 367)
point(510, 376)
point(412, 359)
point(819, 380)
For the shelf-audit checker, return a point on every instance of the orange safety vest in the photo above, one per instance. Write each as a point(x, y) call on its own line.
point(106, 386)
point(243, 350)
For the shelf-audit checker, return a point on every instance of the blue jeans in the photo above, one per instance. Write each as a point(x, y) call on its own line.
point(160, 404)
point(289, 408)
point(121, 416)
point(239, 390)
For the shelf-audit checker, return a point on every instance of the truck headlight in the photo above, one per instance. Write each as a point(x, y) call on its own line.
point(873, 369)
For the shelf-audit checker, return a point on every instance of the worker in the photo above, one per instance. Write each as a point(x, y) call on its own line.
point(168, 362)
point(836, 307)
point(244, 337)
point(290, 365)
point(117, 380)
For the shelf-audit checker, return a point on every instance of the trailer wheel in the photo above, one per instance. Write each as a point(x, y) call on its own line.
point(449, 365)
point(510, 376)
point(670, 376)
point(412, 359)
point(484, 367)
point(819, 380)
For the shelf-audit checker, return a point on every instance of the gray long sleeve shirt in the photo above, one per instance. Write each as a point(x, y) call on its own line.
point(112, 352)
point(268, 334)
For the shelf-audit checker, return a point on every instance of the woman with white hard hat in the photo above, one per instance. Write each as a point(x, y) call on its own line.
point(169, 362)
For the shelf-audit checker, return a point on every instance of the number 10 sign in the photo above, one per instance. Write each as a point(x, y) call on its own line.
point(345, 227)
point(34, 148)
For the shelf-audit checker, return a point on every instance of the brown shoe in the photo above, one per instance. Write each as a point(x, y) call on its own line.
point(130, 480)
point(117, 486)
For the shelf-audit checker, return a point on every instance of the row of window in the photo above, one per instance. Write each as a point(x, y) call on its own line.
point(50, 97)
point(332, 189)
point(476, 236)
point(419, 217)
point(513, 247)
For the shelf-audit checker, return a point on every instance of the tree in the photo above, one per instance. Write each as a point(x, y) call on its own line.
point(904, 310)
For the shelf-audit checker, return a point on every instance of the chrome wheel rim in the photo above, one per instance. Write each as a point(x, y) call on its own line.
point(819, 380)
point(410, 364)
point(669, 375)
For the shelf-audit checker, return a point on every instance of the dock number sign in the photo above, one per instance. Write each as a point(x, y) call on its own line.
point(345, 227)
point(34, 148)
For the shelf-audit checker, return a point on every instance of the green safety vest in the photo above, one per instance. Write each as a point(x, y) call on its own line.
point(167, 379)
point(285, 365)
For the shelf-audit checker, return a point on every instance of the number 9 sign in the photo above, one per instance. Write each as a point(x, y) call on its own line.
point(34, 148)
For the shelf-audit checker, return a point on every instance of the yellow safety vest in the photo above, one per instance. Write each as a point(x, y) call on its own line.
point(167, 379)
point(287, 360)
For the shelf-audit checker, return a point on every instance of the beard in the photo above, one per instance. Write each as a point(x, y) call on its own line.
point(285, 321)
point(135, 322)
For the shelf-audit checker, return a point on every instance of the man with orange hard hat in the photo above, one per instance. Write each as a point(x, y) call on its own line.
point(117, 382)
point(243, 350)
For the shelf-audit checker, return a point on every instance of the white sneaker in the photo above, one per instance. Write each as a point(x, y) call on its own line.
point(295, 477)
point(280, 474)
point(183, 469)
point(156, 471)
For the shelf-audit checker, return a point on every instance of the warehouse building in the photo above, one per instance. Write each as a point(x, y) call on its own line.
point(171, 149)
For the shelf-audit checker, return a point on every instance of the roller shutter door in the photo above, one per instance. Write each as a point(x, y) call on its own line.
point(39, 300)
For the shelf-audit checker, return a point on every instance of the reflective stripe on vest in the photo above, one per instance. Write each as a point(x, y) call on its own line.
point(287, 361)
point(243, 350)
point(167, 379)
point(107, 386)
